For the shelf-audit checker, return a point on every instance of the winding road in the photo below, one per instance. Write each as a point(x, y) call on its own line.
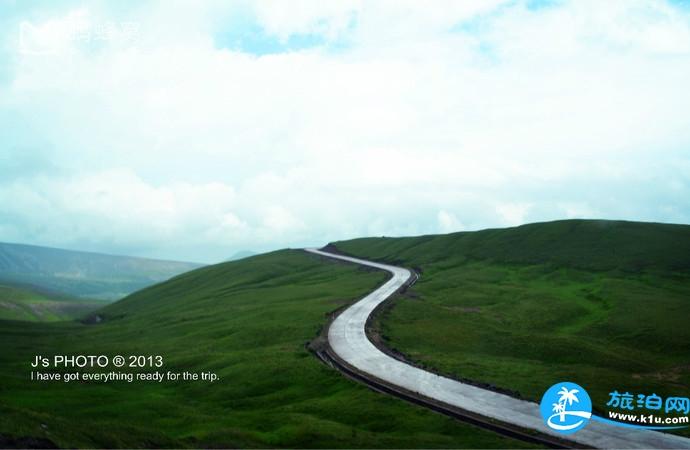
point(349, 343)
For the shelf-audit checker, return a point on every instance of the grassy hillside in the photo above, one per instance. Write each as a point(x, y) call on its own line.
point(248, 321)
point(83, 274)
point(597, 245)
point(32, 304)
point(601, 303)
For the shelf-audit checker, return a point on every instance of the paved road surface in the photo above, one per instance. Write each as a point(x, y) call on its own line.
point(348, 340)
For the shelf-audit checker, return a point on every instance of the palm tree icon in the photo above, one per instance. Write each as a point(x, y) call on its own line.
point(566, 396)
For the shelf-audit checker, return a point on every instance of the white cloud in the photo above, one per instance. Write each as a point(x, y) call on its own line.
point(118, 207)
point(54, 36)
point(284, 19)
point(278, 219)
point(513, 214)
point(491, 109)
point(578, 211)
point(448, 222)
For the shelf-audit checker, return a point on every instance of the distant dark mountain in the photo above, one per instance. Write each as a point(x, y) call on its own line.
point(241, 255)
point(83, 274)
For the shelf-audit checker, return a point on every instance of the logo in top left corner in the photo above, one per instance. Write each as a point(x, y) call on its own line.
point(566, 407)
point(35, 40)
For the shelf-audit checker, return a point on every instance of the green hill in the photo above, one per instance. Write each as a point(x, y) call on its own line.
point(83, 274)
point(248, 321)
point(602, 303)
point(33, 304)
point(518, 309)
point(582, 244)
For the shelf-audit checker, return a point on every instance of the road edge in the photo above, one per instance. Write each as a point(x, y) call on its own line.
point(326, 355)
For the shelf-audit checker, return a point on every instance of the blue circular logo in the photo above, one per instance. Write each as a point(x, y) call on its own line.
point(566, 407)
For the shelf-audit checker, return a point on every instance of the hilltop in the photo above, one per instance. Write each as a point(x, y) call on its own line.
point(580, 244)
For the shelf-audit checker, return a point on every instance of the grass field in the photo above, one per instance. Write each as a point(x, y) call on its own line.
point(32, 304)
point(248, 321)
point(603, 304)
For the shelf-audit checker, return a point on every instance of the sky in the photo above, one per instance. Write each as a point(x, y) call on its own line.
point(194, 130)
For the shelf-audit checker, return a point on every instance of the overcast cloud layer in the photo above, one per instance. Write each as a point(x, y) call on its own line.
point(195, 130)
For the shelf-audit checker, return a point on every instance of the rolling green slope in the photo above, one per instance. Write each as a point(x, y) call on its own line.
point(32, 304)
point(582, 244)
point(248, 321)
point(601, 303)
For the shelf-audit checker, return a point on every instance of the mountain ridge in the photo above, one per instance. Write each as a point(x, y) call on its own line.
point(579, 243)
point(84, 274)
